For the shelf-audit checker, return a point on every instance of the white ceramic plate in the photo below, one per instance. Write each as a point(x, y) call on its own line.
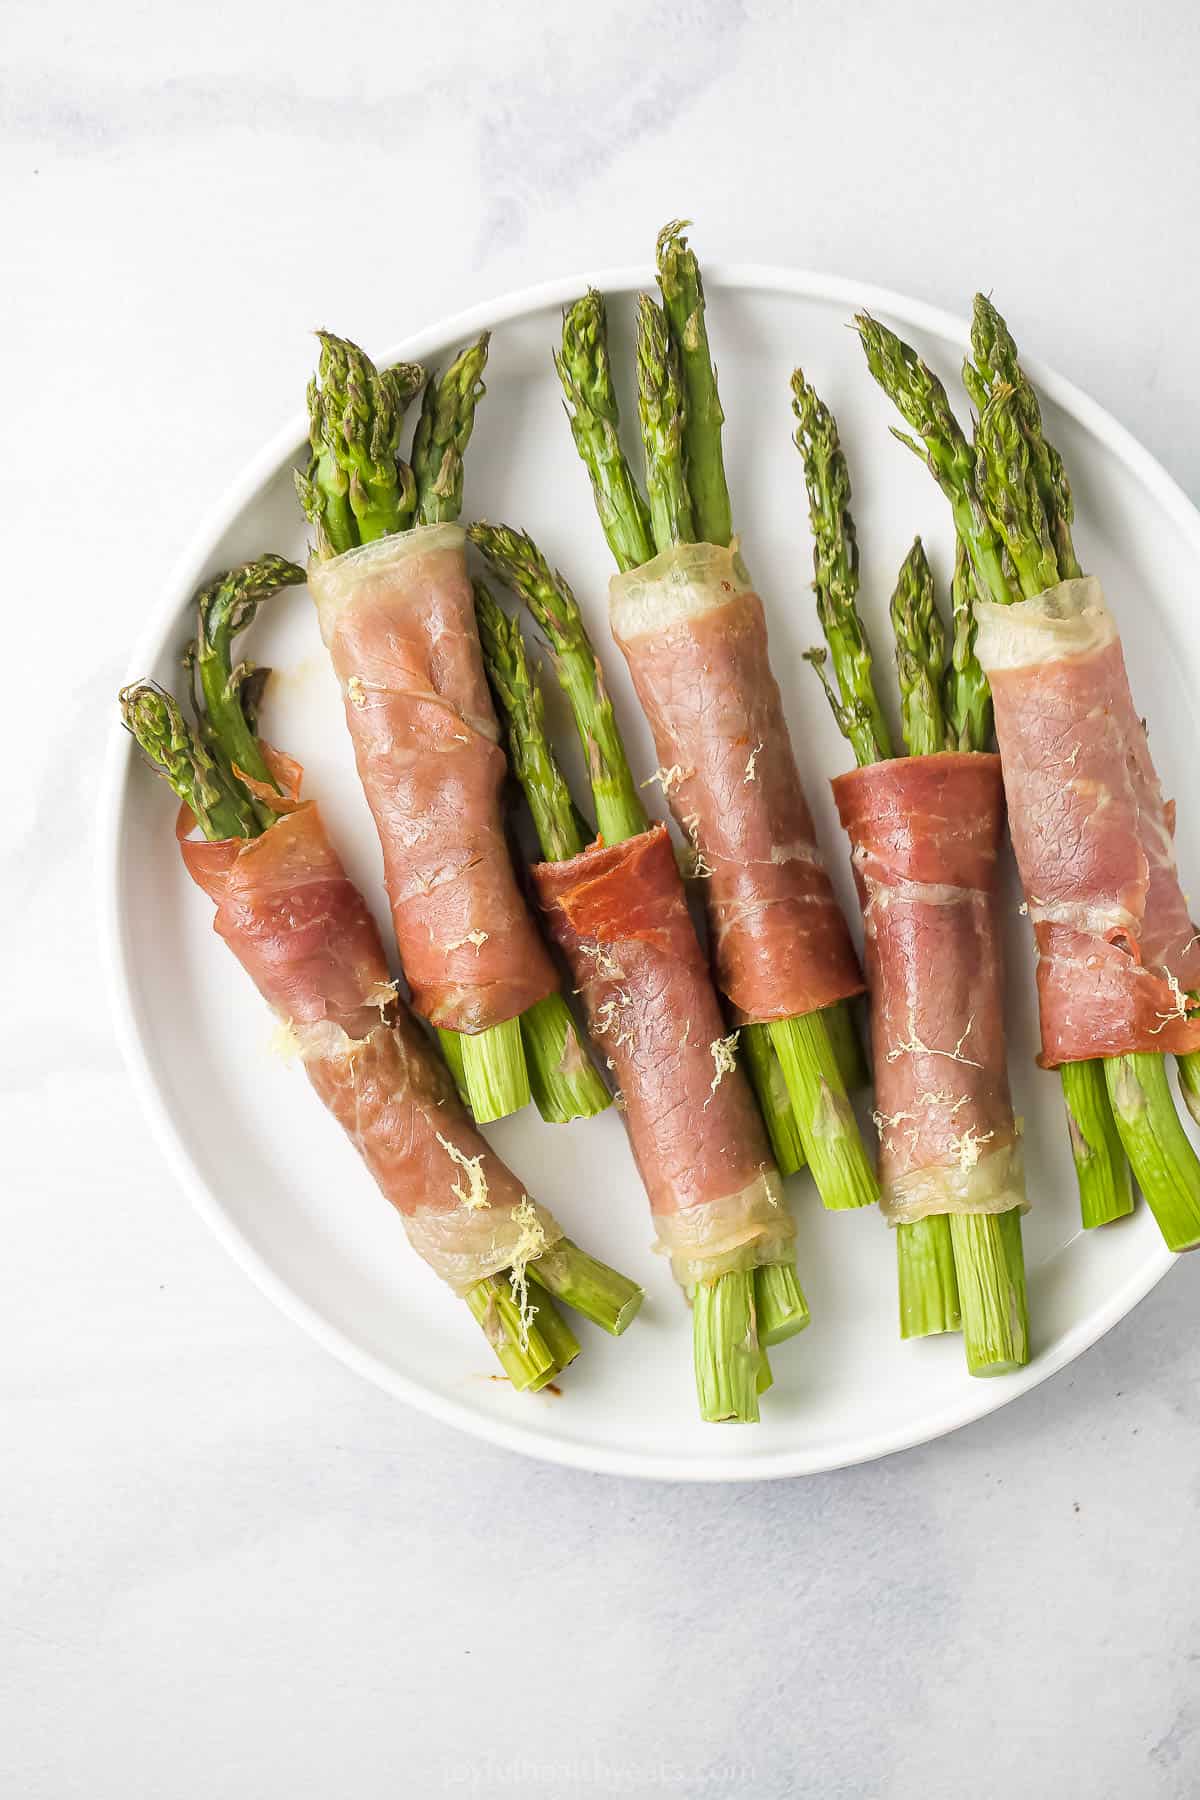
point(273, 1176)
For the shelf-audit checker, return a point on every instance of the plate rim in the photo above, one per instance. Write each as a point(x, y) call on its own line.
point(189, 569)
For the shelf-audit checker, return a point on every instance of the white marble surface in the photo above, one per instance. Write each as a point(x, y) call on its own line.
point(227, 1567)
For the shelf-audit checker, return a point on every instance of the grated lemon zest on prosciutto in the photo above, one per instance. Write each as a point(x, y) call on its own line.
point(667, 778)
point(474, 1197)
point(724, 1054)
point(531, 1241)
point(476, 938)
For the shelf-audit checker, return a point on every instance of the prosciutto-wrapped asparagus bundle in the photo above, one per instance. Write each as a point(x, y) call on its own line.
point(925, 831)
point(302, 931)
point(394, 600)
point(693, 632)
point(617, 910)
point(1118, 962)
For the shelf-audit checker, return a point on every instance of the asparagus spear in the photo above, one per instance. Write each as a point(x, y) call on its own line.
point(920, 655)
point(591, 406)
point(728, 1349)
point(813, 1078)
point(517, 562)
point(966, 696)
point(1101, 1168)
point(567, 1086)
point(660, 409)
point(358, 488)
point(444, 431)
point(859, 713)
point(683, 302)
point(223, 610)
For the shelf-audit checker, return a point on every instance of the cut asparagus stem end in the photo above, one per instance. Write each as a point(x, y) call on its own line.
point(725, 1346)
point(779, 1303)
point(563, 1080)
point(1101, 1165)
point(990, 1264)
point(847, 1045)
point(828, 1129)
point(452, 1043)
point(603, 1295)
point(928, 1286)
point(1189, 1082)
point(766, 1078)
point(556, 1334)
point(1165, 1166)
point(523, 1352)
point(494, 1071)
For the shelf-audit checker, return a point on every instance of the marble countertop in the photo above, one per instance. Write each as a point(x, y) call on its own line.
point(227, 1566)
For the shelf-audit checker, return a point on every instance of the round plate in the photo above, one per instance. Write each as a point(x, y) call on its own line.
point(272, 1174)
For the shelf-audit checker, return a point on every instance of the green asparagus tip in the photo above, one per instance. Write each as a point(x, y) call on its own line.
point(1008, 490)
point(671, 243)
point(920, 655)
point(835, 576)
point(518, 562)
point(582, 363)
point(661, 412)
point(153, 718)
point(590, 400)
point(916, 391)
point(357, 487)
point(444, 431)
point(229, 603)
point(561, 832)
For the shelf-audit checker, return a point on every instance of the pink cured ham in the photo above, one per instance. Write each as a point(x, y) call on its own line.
point(302, 932)
point(694, 635)
point(398, 619)
point(1118, 955)
point(619, 915)
point(925, 833)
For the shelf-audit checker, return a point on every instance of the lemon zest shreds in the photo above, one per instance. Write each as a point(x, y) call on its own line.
point(474, 1197)
point(531, 1241)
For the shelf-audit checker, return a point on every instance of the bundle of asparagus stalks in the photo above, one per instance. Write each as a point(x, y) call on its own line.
point(616, 905)
point(389, 577)
point(925, 841)
point(1077, 814)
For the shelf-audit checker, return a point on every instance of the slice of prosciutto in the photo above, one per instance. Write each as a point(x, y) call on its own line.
point(302, 931)
point(619, 915)
point(925, 833)
point(694, 635)
point(398, 619)
point(1118, 955)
